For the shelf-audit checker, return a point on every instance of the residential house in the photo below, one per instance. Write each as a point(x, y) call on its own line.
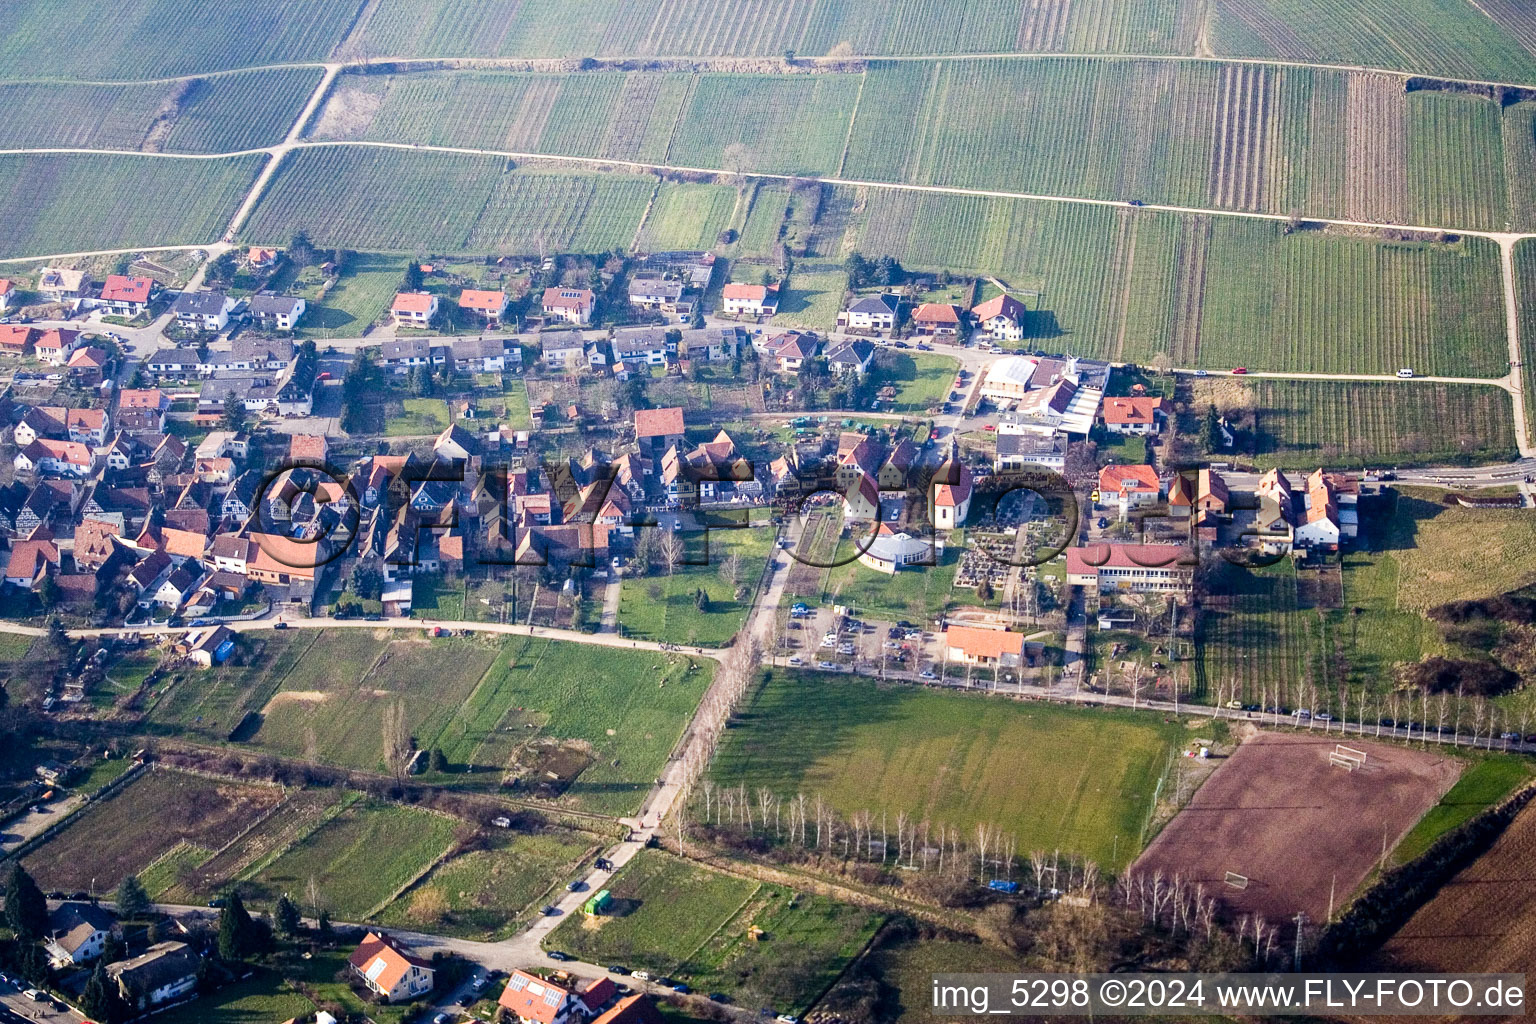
point(1000, 318)
point(1276, 511)
point(661, 294)
point(390, 969)
point(260, 258)
point(789, 351)
point(96, 544)
point(142, 410)
point(54, 345)
point(277, 312)
point(638, 1008)
point(231, 553)
point(413, 309)
point(1328, 515)
point(177, 362)
point(861, 501)
point(56, 458)
point(712, 344)
point(126, 296)
point(30, 561)
point(936, 319)
point(87, 426)
point(281, 561)
point(1129, 487)
point(1133, 415)
point(532, 1000)
point(851, 358)
point(1009, 379)
point(563, 351)
point(1029, 451)
point(16, 340)
point(455, 443)
point(87, 365)
point(573, 305)
point(646, 346)
point(7, 294)
point(896, 472)
point(207, 311)
point(856, 457)
point(480, 355)
point(405, 354)
point(657, 430)
point(161, 974)
point(1133, 568)
point(175, 587)
point(872, 314)
point(60, 284)
point(989, 648)
point(755, 300)
point(489, 306)
point(76, 934)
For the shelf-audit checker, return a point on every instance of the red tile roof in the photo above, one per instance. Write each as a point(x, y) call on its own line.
point(936, 313)
point(140, 398)
point(984, 643)
point(999, 305)
point(28, 556)
point(568, 298)
point(412, 302)
point(1137, 479)
point(119, 288)
point(1131, 411)
point(658, 422)
point(1089, 560)
point(308, 446)
point(13, 337)
point(88, 356)
point(56, 338)
point(395, 961)
point(757, 292)
point(483, 301)
point(533, 998)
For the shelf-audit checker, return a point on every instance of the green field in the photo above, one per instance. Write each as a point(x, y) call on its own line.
point(661, 606)
point(813, 297)
point(361, 295)
point(1525, 289)
point(1485, 782)
point(417, 416)
point(1354, 423)
point(137, 824)
point(155, 38)
point(921, 380)
point(259, 998)
point(488, 890)
point(56, 204)
point(399, 201)
point(916, 594)
point(608, 716)
point(1080, 780)
point(687, 216)
point(359, 859)
point(690, 923)
point(215, 115)
point(544, 28)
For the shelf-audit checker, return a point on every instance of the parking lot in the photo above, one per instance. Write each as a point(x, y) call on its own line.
point(820, 638)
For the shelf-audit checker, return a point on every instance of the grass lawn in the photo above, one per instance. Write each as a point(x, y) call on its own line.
point(261, 997)
point(433, 597)
point(661, 606)
point(1078, 780)
point(360, 296)
point(812, 297)
point(487, 891)
point(208, 705)
point(917, 594)
point(691, 924)
point(417, 416)
point(1485, 782)
point(1453, 554)
point(516, 398)
point(922, 380)
point(359, 859)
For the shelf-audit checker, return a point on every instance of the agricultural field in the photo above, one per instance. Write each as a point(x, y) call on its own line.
point(74, 203)
point(1357, 423)
point(1302, 830)
point(1481, 919)
point(662, 606)
point(155, 39)
point(213, 115)
point(1525, 291)
point(486, 891)
point(1461, 553)
point(1485, 782)
point(360, 859)
point(687, 216)
point(399, 201)
point(1441, 37)
point(651, 28)
point(690, 923)
point(207, 706)
point(767, 208)
point(137, 824)
point(1078, 780)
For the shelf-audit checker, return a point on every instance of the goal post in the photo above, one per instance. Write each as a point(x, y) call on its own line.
point(1340, 761)
point(1353, 753)
point(1236, 880)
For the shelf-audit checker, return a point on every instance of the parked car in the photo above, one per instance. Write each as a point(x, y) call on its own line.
point(1239, 370)
point(556, 955)
point(642, 975)
point(1406, 371)
point(280, 625)
point(1202, 373)
point(617, 969)
point(797, 660)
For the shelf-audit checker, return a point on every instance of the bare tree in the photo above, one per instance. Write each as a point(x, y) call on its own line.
point(731, 570)
point(396, 740)
point(672, 550)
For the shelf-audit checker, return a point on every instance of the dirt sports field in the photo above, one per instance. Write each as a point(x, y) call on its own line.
point(1281, 814)
point(1484, 919)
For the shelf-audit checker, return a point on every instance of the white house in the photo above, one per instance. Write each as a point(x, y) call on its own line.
point(280, 312)
point(751, 299)
point(163, 973)
point(1000, 317)
point(126, 296)
point(573, 305)
point(390, 970)
point(206, 311)
point(413, 309)
point(873, 313)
